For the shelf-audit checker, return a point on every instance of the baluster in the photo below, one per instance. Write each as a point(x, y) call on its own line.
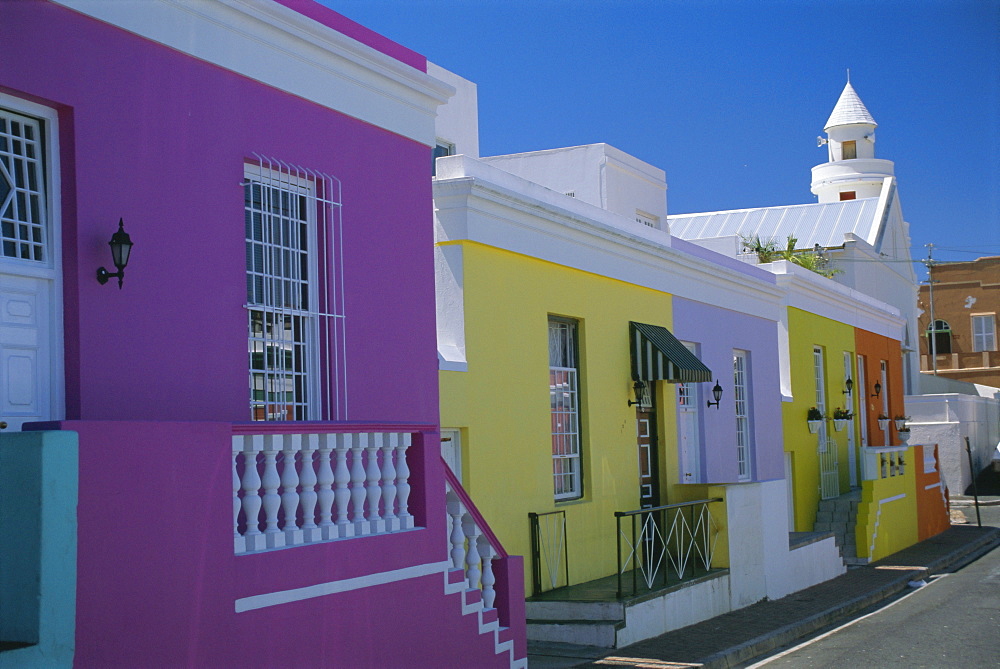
point(289, 489)
point(882, 460)
point(252, 444)
point(358, 443)
point(308, 496)
point(402, 483)
point(472, 559)
point(238, 543)
point(324, 481)
point(372, 488)
point(343, 477)
point(389, 442)
point(487, 579)
point(457, 537)
point(270, 482)
point(902, 464)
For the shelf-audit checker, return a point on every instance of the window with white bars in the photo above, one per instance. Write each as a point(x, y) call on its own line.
point(294, 293)
point(565, 408)
point(23, 234)
point(984, 333)
point(819, 376)
point(741, 396)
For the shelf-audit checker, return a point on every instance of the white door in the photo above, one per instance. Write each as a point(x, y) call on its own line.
point(688, 403)
point(31, 386)
point(451, 451)
point(852, 456)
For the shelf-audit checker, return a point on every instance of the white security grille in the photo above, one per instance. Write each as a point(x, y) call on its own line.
point(295, 295)
point(564, 404)
point(22, 200)
point(741, 395)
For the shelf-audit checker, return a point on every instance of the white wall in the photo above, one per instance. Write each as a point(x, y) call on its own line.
point(598, 174)
point(458, 120)
point(946, 420)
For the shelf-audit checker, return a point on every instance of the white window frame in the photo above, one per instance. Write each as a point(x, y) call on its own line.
point(742, 401)
point(297, 360)
point(564, 406)
point(819, 375)
point(26, 232)
point(689, 402)
point(984, 338)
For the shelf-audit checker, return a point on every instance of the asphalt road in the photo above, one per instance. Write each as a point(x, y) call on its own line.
point(953, 621)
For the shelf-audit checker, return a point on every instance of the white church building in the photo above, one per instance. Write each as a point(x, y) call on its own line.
point(857, 221)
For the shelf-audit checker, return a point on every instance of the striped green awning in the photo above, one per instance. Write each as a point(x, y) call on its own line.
point(658, 355)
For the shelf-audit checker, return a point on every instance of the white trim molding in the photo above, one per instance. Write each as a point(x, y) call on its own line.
point(878, 519)
point(477, 202)
point(333, 587)
point(277, 46)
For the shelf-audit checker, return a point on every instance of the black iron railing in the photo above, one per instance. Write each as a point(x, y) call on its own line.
point(665, 544)
point(549, 550)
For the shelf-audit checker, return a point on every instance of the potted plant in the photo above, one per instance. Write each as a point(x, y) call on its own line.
point(900, 422)
point(814, 418)
point(883, 422)
point(840, 418)
point(903, 433)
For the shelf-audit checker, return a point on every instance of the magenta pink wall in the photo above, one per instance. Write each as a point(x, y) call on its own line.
point(158, 580)
point(160, 139)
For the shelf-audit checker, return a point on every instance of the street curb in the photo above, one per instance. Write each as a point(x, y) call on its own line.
point(756, 647)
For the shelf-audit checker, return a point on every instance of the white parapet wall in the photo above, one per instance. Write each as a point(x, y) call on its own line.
point(946, 419)
point(761, 562)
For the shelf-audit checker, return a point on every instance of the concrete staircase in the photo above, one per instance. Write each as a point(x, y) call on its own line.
point(840, 516)
point(487, 620)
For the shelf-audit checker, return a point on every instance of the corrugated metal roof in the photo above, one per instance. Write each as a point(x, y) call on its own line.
point(824, 224)
point(849, 109)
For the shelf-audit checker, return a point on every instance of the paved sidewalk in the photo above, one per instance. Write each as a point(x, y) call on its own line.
point(742, 635)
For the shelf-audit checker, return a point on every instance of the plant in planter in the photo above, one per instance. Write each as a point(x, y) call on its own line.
point(903, 433)
point(883, 422)
point(900, 421)
point(814, 418)
point(840, 418)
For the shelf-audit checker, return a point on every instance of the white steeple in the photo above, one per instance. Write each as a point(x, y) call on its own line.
point(852, 171)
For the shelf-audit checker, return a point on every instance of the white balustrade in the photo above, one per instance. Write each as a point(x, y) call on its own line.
point(471, 549)
point(882, 462)
point(287, 491)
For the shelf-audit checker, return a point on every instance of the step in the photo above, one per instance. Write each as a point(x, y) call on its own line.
point(556, 610)
point(602, 633)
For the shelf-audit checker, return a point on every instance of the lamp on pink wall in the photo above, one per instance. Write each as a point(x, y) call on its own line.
point(121, 247)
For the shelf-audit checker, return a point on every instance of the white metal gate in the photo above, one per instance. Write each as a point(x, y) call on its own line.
point(829, 470)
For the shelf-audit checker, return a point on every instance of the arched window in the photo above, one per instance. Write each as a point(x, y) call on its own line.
point(941, 342)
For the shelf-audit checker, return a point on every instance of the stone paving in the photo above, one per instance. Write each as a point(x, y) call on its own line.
point(742, 635)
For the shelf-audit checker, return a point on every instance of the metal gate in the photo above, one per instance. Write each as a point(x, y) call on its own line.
point(829, 470)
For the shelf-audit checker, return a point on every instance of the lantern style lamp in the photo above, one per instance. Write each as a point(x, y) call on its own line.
point(878, 390)
point(121, 247)
point(717, 394)
point(641, 399)
point(850, 385)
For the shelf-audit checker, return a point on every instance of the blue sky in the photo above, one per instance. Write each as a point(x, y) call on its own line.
point(729, 97)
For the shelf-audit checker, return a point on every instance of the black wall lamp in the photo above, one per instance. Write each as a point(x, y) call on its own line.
point(641, 398)
point(717, 394)
point(850, 385)
point(878, 389)
point(121, 247)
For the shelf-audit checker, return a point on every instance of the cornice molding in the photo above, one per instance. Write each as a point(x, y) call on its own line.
point(279, 47)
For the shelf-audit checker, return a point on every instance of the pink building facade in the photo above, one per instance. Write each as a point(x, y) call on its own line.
point(269, 161)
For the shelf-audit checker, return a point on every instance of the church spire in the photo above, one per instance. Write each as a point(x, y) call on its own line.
point(849, 110)
point(851, 171)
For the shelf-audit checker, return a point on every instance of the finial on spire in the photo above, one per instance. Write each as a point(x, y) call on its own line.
point(848, 75)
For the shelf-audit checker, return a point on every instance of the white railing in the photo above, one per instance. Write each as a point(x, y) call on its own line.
point(882, 462)
point(473, 545)
point(293, 489)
